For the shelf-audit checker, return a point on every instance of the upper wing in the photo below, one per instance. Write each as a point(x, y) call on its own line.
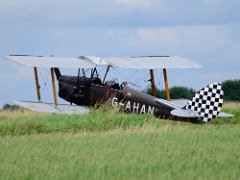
point(152, 62)
point(50, 62)
point(144, 62)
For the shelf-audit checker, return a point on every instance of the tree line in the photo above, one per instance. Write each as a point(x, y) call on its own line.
point(231, 90)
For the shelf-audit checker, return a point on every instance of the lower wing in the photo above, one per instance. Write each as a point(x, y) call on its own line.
point(50, 107)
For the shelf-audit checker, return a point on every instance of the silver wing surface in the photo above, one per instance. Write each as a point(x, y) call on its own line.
point(50, 62)
point(225, 115)
point(50, 107)
point(145, 62)
point(152, 62)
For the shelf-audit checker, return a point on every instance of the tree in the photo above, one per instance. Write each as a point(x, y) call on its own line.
point(176, 92)
point(10, 107)
point(231, 90)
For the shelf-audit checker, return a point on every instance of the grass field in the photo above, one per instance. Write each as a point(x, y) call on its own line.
point(109, 145)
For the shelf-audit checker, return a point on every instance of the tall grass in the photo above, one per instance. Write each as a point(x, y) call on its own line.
point(24, 122)
point(103, 119)
point(232, 108)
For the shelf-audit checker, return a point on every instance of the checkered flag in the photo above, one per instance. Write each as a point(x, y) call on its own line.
point(207, 102)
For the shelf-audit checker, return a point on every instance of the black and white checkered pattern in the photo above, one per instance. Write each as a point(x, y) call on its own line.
point(207, 102)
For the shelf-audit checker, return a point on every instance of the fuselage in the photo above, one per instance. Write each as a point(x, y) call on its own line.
point(91, 91)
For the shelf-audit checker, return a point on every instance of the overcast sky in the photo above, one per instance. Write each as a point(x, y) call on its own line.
point(206, 31)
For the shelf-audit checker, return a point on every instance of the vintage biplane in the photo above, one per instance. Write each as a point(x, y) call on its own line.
point(83, 91)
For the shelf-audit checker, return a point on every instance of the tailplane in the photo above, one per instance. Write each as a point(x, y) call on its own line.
point(207, 102)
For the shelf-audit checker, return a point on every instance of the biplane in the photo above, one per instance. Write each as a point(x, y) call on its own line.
point(83, 91)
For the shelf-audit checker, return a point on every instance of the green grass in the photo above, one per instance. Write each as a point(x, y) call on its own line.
point(24, 122)
point(110, 145)
point(232, 108)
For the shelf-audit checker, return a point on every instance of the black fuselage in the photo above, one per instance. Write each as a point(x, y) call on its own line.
point(87, 91)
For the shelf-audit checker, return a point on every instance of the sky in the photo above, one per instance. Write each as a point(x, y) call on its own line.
point(205, 31)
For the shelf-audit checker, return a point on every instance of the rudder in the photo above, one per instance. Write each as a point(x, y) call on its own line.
point(207, 102)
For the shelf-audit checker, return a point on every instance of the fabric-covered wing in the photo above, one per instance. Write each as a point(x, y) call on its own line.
point(48, 62)
point(152, 62)
point(144, 62)
point(50, 107)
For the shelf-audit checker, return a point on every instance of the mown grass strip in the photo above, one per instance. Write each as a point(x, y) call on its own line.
point(169, 152)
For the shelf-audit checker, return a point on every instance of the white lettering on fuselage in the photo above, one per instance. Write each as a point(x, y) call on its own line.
point(132, 106)
point(143, 109)
point(128, 106)
point(151, 110)
point(135, 107)
point(114, 102)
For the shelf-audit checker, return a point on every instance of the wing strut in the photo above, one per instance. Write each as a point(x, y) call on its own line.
point(154, 90)
point(54, 88)
point(37, 83)
point(106, 74)
point(166, 84)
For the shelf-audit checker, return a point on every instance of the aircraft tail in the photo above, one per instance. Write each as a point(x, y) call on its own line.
point(207, 102)
point(58, 73)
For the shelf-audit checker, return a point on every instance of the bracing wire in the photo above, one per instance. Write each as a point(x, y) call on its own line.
point(122, 74)
point(44, 81)
point(132, 75)
point(128, 78)
point(158, 77)
point(142, 78)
